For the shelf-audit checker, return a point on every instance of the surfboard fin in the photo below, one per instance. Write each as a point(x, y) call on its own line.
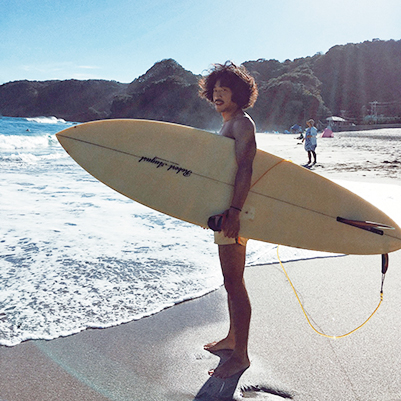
point(376, 228)
point(384, 263)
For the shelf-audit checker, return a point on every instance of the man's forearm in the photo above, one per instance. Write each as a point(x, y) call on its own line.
point(242, 186)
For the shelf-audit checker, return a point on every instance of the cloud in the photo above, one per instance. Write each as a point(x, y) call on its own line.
point(89, 67)
point(61, 70)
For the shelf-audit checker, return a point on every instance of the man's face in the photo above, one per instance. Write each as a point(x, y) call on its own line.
point(222, 99)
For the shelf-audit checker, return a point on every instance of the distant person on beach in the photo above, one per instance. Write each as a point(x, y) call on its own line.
point(310, 141)
point(231, 90)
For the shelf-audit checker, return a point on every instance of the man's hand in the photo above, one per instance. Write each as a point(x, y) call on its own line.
point(231, 223)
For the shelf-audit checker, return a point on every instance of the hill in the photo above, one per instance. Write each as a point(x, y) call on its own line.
point(72, 100)
point(166, 92)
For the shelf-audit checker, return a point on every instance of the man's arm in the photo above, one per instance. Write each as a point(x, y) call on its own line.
point(245, 150)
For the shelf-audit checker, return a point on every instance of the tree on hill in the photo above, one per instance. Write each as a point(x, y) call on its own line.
point(291, 98)
point(356, 74)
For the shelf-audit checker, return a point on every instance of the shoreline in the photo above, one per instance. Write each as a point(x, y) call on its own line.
point(161, 357)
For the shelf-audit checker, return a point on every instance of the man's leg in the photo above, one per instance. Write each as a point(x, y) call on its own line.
point(227, 343)
point(232, 259)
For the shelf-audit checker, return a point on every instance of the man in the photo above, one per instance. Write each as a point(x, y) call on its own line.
point(232, 90)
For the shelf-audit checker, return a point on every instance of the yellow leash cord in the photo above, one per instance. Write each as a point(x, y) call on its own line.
point(384, 269)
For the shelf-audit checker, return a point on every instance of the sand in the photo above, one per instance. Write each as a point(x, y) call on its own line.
point(361, 155)
point(162, 358)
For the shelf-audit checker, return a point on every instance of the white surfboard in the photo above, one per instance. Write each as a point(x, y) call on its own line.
point(189, 174)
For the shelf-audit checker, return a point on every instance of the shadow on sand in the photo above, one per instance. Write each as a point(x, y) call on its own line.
point(224, 390)
point(219, 389)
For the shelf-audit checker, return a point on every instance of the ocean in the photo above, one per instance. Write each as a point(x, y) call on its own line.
point(75, 254)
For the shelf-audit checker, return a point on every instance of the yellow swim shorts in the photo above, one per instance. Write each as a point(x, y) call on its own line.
point(221, 239)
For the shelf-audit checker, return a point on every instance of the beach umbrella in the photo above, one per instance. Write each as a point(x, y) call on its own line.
point(335, 118)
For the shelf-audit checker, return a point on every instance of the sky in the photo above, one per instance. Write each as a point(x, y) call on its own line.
point(121, 39)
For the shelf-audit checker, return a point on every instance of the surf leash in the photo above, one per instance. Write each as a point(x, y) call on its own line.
point(385, 261)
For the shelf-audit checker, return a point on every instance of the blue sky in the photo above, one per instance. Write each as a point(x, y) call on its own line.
point(121, 39)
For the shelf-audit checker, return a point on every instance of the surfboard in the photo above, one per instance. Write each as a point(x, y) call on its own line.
point(189, 174)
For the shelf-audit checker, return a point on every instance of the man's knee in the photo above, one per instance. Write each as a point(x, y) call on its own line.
point(233, 284)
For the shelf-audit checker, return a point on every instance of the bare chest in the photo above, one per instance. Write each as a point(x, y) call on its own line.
point(227, 130)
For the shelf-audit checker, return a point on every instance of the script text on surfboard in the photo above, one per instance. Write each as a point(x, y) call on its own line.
point(161, 163)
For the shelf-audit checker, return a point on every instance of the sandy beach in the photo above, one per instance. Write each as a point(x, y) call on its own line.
point(359, 156)
point(161, 357)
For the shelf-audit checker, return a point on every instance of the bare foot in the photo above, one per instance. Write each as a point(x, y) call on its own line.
point(231, 367)
point(225, 343)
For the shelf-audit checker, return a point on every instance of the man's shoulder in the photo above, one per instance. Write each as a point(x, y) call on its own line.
point(243, 126)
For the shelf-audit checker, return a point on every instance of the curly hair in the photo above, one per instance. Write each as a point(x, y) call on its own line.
point(237, 78)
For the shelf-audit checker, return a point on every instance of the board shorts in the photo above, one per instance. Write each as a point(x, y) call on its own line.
point(221, 239)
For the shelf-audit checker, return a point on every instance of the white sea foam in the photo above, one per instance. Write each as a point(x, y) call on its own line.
point(74, 258)
point(13, 142)
point(46, 120)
